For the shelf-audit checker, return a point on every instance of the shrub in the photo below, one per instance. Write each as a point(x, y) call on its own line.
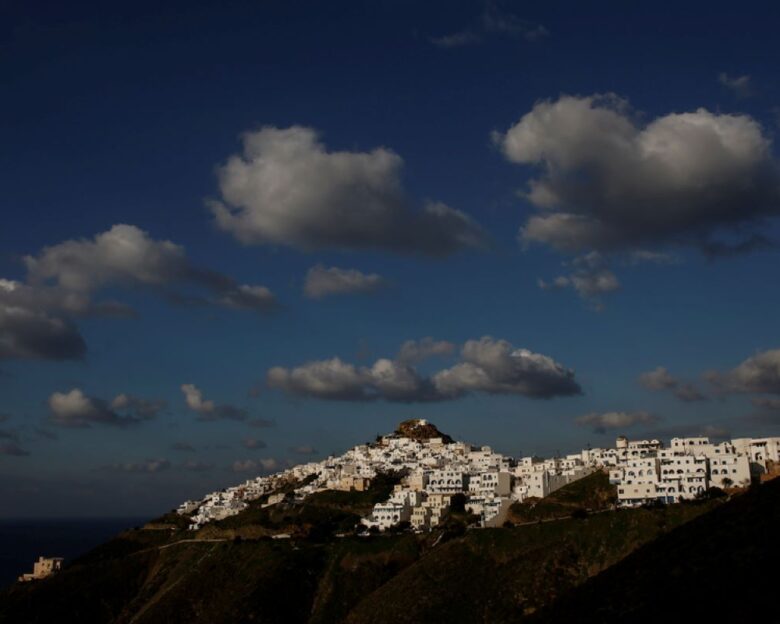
point(711, 493)
point(458, 503)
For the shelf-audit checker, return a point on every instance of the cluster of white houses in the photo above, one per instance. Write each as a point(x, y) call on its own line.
point(644, 471)
point(436, 470)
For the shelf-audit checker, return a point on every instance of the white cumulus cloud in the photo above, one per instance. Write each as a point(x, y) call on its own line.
point(286, 188)
point(488, 365)
point(608, 182)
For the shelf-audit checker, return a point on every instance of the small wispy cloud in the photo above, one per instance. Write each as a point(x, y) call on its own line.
point(661, 379)
point(601, 422)
point(303, 450)
point(494, 21)
point(13, 449)
point(590, 277)
point(324, 281)
point(767, 403)
point(741, 86)
point(209, 410)
point(268, 464)
point(196, 466)
point(149, 466)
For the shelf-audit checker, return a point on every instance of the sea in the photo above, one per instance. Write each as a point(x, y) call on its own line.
point(22, 541)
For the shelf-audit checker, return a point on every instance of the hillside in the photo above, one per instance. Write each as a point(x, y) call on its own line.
point(592, 493)
point(719, 567)
point(496, 575)
point(501, 575)
point(322, 514)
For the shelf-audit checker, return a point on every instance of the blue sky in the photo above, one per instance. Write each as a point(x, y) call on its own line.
point(130, 114)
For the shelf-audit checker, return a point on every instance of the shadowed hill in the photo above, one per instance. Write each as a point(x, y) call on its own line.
point(719, 567)
point(503, 575)
point(496, 575)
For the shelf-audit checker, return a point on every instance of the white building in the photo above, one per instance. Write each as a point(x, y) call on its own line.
point(682, 477)
point(490, 483)
point(637, 480)
point(642, 470)
point(447, 481)
point(730, 471)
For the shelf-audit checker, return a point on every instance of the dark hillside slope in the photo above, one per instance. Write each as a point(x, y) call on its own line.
point(721, 567)
point(168, 575)
point(218, 582)
point(503, 575)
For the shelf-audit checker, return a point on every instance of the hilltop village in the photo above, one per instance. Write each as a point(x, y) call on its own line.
point(434, 469)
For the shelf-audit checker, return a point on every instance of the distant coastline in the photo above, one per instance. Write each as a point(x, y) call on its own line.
point(22, 540)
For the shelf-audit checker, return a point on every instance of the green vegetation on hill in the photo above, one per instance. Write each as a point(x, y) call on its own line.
point(592, 493)
point(493, 575)
point(171, 520)
point(503, 575)
point(718, 568)
point(321, 515)
point(355, 569)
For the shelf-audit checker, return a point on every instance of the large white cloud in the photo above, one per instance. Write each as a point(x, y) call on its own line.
point(58, 300)
point(123, 254)
point(497, 367)
point(286, 188)
point(491, 366)
point(337, 380)
point(36, 316)
point(126, 255)
point(324, 379)
point(610, 182)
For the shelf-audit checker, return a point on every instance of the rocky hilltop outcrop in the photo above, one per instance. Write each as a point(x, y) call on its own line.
point(419, 429)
